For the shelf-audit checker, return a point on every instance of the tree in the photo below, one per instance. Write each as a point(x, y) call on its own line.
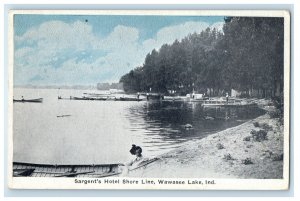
point(247, 56)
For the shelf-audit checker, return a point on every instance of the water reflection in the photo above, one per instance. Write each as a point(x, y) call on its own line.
point(165, 123)
point(102, 131)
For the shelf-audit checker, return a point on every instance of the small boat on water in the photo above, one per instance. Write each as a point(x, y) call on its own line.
point(129, 99)
point(64, 115)
point(226, 104)
point(91, 171)
point(173, 98)
point(88, 98)
point(37, 100)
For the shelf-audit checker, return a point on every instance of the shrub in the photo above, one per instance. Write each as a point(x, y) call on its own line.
point(228, 157)
point(247, 138)
point(220, 146)
point(281, 120)
point(275, 114)
point(277, 157)
point(256, 124)
point(247, 161)
point(266, 127)
point(259, 136)
point(268, 153)
point(278, 102)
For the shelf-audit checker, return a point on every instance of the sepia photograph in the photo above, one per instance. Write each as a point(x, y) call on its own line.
point(149, 99)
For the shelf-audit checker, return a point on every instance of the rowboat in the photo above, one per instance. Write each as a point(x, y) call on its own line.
point(225, 104)
point(88, 98)
point(37, 100)
point(91, 171)
point(172, 98)
point(129, 99)
point(64, 115)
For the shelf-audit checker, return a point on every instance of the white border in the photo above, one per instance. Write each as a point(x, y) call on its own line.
point(242, 13)
point(224, 184)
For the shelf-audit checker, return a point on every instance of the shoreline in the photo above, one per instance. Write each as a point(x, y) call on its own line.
point(226, 154)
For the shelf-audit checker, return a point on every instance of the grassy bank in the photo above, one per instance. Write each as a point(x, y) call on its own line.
point(253, 149)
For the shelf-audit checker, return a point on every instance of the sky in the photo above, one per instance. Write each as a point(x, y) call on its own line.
point(86, 50)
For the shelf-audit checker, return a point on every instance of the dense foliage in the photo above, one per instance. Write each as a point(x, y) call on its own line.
point(247, 56)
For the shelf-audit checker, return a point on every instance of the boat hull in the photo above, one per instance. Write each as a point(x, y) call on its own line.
point(88, 98)
point(90, 171)
point(226, 105)
point(129, 99)
point(38, 100)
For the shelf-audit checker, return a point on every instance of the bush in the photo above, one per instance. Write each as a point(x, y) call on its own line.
point(220, 146)
point(266, 127)
point(268, 153)
point(277, 157)
point(276, 114)
point(228, 157)
point(256, 124)
point(247, 161)
point(281, 120)
point(247, 138)
point(259, 136)
point(278, 102)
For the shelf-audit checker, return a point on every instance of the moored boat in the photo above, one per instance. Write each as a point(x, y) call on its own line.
point(88, 98)
point(218, 103)
point(37, 100)
point(129, 99)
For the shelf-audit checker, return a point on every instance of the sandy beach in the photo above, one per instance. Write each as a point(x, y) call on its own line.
point(231, 153)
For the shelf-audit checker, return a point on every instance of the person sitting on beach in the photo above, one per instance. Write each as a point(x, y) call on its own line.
point(137, 151)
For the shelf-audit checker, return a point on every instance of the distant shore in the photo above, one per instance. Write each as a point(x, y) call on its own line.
point(231, 153)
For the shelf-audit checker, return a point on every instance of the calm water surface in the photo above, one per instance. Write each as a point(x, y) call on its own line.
point(103, 131)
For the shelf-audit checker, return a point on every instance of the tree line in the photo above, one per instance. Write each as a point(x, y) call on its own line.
point(246, 56)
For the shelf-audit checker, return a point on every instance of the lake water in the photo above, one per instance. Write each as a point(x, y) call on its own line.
point(103, 131)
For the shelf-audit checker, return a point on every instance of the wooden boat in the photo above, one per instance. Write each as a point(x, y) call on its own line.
point(172, 98)
point(215, 103)
point(91, 171)
point(88, 98)
point(97, 94)
point(63, 115)
point(37, 100)
point(129, 99)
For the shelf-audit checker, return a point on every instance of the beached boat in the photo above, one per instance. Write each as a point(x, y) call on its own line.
point(94, 171)
point(37, 100)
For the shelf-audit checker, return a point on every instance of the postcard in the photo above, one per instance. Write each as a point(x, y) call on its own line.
point(149, 99)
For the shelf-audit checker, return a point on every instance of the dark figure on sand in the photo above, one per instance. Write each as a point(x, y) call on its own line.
point(137, 151)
